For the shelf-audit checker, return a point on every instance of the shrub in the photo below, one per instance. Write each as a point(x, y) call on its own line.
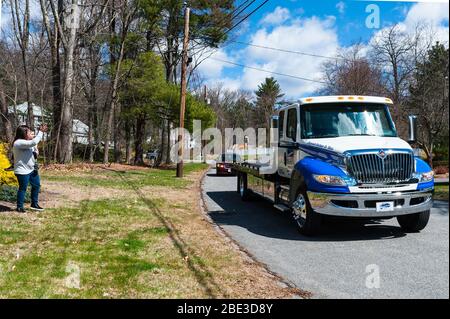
point(9, 194)
point(6, 178)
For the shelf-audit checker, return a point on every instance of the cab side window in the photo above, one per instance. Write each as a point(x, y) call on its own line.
point(291, 131)
point(281, 125)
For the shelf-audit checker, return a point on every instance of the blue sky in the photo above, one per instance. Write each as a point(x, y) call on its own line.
point(323, 27)
point(318, 27)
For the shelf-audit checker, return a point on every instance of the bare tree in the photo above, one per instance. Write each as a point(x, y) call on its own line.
point(21, 27)
point(397, 52)
point(6, 130)
point(127, 13)
point(352, 74)
point(430, 98)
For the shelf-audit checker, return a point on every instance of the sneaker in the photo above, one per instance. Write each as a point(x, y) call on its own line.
point(21, 210)
point(37, 207)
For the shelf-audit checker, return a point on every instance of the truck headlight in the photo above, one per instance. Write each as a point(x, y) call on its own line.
point(330, 180)
point(426, 177)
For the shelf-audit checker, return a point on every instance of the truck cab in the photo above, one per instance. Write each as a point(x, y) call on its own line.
point(341, 156)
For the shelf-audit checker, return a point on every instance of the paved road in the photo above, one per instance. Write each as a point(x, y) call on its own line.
point(334, 264)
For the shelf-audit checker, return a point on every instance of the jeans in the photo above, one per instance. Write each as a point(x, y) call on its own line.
point(35, 181)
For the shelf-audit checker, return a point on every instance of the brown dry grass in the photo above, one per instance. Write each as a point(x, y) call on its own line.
point(192, 259)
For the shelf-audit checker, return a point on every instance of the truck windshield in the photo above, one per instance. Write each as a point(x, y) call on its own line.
point(352, 119)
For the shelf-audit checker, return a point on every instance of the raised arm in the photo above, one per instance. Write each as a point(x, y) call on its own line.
point(24, 144)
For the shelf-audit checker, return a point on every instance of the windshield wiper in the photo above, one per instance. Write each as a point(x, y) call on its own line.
point(361, 134)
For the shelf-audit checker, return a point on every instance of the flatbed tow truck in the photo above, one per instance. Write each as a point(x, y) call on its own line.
point(341, 156)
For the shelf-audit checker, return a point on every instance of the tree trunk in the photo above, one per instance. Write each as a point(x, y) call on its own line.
point(118, 138)
point(139, 140)
point(115, 83)
point(54, 43)
point(128, 142)
point(6, 131)
point(164, 146)
point(65, 149)
point(168, 160)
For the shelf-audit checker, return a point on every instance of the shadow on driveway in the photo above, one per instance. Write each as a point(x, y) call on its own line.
point(259, 217)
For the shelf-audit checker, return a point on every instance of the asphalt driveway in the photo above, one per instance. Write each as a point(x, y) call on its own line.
point(350, 259)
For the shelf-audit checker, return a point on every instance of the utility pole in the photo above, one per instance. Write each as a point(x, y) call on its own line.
point(184, 62)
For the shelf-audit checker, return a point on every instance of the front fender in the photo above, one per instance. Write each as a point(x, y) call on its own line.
point(309, 166)
point(423, 167)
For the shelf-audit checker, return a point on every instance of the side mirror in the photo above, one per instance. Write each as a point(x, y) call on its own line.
point(274, 127)
point(412, 128)
point(274, 121)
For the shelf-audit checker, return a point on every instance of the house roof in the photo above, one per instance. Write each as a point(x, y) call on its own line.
point(78, 127)
point(23, 109)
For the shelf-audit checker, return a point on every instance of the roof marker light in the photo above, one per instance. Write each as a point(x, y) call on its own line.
point(351, 98)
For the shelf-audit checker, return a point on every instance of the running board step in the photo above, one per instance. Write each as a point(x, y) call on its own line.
point(282, 207)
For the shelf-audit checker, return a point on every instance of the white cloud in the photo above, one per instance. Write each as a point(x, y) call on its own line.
point(312, 35)
point(212, 68)
point(433, 13)
point(277, 17)
point(432, 18)
point(315, 35)
point(341, 7)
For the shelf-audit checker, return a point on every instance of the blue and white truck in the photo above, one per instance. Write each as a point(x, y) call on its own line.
point(341, 156)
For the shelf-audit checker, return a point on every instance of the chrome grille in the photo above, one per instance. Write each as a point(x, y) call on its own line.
point(371, 168)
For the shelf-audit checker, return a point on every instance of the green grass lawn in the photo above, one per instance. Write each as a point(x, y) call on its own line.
point(141, 242)
point(121, 179)
point(441, 192)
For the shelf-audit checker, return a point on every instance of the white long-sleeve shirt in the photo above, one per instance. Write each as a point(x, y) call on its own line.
point(24, 161)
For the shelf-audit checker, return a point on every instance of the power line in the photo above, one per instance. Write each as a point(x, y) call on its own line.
point(289, 51)
point(231, 15)
point(243, 9)
point(267, 71)
point(247, 16)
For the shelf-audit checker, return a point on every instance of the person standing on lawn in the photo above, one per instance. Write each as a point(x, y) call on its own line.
point(25, 165)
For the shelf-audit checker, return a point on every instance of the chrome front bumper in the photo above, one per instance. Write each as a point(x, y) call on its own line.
point(364, 205)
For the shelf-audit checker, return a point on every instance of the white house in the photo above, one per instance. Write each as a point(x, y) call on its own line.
point(80, 130)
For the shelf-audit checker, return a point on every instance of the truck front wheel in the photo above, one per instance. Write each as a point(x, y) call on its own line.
point(307, 220)
point(414, 222)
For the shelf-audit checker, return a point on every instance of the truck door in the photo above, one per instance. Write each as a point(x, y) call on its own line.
point(288, 143)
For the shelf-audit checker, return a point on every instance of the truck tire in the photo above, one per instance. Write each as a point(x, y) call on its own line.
point(308, 221)
point(414, 222)
point(242, 187)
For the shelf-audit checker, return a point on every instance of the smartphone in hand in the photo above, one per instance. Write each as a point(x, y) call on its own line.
point(43, 128)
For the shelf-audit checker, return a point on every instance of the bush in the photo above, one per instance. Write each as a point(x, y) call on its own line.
point(9, 194)
point(6, 178)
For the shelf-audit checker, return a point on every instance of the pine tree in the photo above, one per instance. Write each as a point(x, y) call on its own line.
point(268, 94)
point(429, 98)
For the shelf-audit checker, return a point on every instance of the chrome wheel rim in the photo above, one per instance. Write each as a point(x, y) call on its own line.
point(300, 210)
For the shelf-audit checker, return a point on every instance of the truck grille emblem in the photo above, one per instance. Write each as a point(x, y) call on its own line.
point(382, 154)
